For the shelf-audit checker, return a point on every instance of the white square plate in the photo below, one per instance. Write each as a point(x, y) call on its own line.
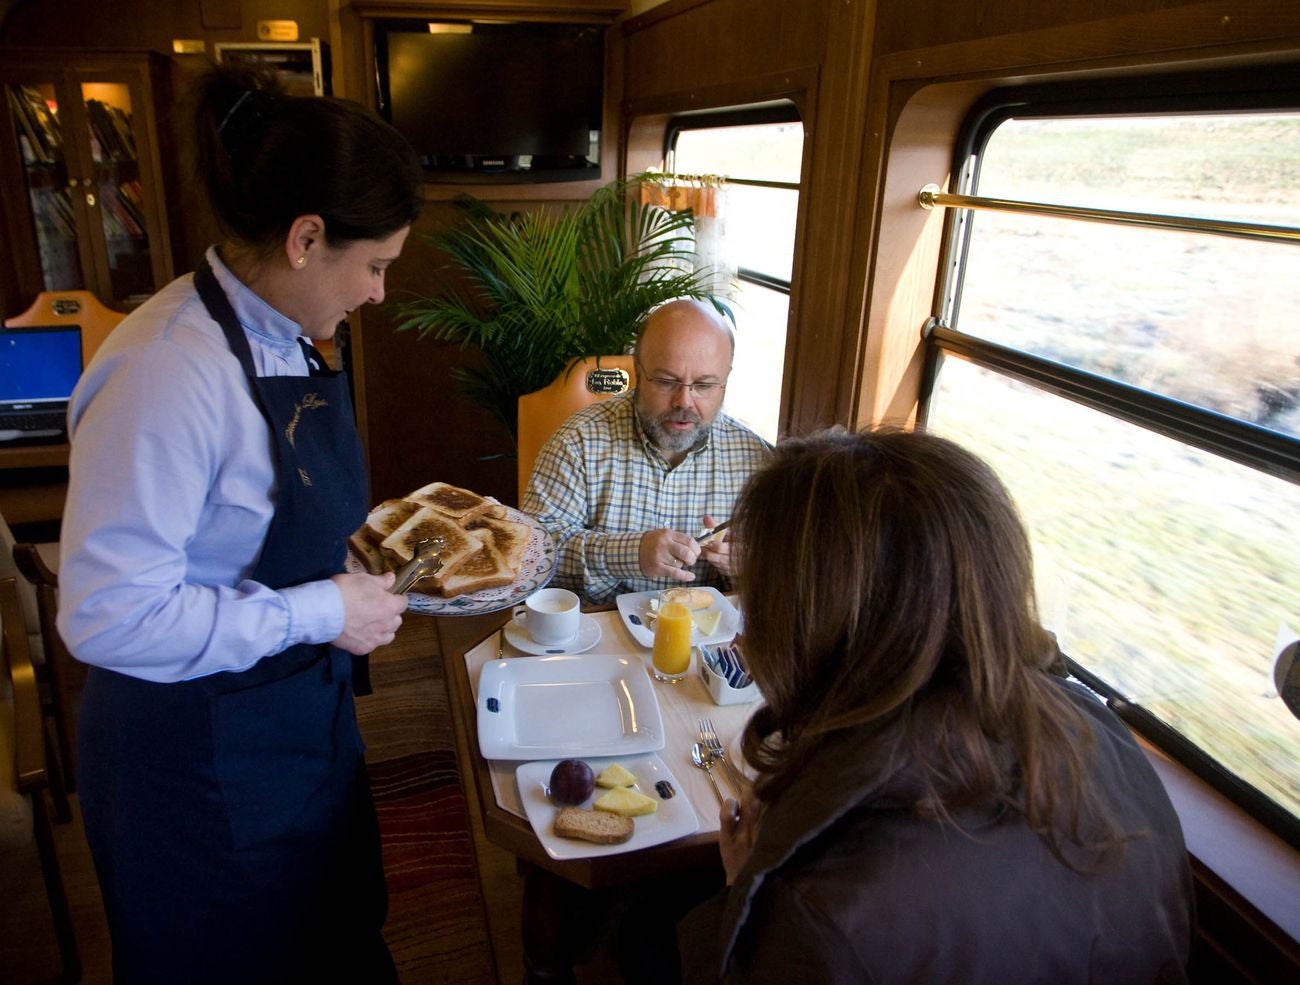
point(633, 607)
point(674, 819)
point(589, 704)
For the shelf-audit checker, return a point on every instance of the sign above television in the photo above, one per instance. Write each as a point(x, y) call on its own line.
point(511, 101)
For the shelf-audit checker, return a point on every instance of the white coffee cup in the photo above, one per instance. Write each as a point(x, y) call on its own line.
point(550, 616)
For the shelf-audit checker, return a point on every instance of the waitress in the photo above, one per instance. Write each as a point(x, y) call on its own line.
point(215, 476)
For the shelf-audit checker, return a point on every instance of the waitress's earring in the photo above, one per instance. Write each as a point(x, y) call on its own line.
point(301, 260)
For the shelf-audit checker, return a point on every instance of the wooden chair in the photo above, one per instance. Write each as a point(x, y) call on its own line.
point(583, 382)
point(24, 818)
point(36, 563)
point(52, 661)
point(72, 308)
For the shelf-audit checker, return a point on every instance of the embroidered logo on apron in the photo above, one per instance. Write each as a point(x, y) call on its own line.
point(311, 401)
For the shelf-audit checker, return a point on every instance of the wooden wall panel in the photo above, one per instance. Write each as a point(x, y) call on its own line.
point(415, 426)
point(721, 42)
point(148, 23)
point(903, 26)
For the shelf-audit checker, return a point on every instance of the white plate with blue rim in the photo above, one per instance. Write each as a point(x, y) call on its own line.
point(674, 818)
point(637, 610)
point(587, 704)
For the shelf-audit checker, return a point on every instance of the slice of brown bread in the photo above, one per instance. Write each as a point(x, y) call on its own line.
point(458, 545)
point(598, 826)
point(385, 518)
point(511, 538)
point(368, 553)
point(483, 569)
point(462, 505)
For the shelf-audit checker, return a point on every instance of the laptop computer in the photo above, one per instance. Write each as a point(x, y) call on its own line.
point(39, 366)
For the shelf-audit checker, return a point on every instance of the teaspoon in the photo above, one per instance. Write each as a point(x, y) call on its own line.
point(702, 758)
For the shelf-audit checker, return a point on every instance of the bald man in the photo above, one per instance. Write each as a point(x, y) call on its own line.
point(626, 484)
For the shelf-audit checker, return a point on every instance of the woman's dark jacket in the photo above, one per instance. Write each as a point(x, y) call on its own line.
point(842, 887)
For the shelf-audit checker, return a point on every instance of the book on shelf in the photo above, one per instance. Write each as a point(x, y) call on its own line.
point(52, 211)
point(110, 128)
point(34, 119)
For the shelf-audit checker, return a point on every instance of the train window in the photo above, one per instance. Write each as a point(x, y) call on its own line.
point(1116, 335)
point(759, 152)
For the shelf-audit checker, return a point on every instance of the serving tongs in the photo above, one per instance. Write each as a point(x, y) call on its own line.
point(426, 560)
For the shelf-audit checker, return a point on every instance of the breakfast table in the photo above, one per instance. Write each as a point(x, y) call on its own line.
point(496, 796)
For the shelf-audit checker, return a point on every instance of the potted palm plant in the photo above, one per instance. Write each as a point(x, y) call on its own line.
point(532, 291)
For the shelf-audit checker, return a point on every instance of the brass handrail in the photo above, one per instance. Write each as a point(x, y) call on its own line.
point(930, 196)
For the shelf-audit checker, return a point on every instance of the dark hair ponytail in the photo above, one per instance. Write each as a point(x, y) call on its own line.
point(267, 157)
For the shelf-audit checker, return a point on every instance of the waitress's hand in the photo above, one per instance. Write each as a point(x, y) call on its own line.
point(371, 613)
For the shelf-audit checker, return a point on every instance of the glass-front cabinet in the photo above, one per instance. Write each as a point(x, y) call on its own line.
point(84, 204)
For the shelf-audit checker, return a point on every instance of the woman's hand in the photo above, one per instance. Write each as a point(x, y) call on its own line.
point(371, 613)
point(739, 822)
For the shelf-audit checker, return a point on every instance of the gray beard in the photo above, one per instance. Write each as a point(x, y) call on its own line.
point(671, 442)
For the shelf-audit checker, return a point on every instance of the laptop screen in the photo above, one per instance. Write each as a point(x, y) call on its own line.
point(39, 366)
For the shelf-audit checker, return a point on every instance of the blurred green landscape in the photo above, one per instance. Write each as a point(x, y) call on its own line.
point(1169, 572)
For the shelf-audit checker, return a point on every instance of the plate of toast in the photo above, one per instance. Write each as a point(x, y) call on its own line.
point(493, 555)
point(642, 804)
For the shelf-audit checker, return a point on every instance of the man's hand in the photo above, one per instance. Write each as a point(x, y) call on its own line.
point(666, 553)
point(371, 613)
point(718, 550)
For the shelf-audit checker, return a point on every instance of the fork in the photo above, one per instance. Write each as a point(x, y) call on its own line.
point(709, 736)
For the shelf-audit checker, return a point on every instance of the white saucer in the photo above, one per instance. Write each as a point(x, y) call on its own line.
point(588, 636)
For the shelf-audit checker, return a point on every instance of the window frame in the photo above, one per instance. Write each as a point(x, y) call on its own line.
point(782, 111)
point(1248, 444)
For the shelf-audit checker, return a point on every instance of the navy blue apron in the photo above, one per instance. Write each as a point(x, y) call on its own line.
point(230, 817)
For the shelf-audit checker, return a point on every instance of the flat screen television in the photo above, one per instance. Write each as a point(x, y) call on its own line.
point(495, 101)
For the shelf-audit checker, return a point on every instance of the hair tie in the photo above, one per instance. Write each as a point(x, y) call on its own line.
point(243, 96)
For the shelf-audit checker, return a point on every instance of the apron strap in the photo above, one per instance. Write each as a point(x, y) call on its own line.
point(220, 308)
point(315, 361)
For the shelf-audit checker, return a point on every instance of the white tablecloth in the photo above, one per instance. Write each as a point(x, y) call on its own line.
point(681, 705)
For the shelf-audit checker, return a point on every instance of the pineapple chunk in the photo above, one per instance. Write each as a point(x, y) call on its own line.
point(707, 621)
point(615, 775)
point(625, 801)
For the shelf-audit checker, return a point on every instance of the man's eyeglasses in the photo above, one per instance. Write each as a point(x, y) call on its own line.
point(670, 388)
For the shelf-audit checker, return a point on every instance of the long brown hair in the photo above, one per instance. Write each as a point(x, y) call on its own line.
point(887, 585)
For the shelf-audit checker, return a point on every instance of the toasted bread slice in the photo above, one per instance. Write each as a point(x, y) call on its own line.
point(462, 505)
point(598, 826)
point(510, 538)
point(385, 518)
point(458, 545)
point(485, 568)
point(368, 553)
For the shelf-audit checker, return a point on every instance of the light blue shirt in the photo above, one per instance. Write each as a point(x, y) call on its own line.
point(171, 493)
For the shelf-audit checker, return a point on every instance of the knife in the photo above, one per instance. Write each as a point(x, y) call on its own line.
point(708, 535)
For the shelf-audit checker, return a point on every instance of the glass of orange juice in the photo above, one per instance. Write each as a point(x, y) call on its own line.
point(670, 657)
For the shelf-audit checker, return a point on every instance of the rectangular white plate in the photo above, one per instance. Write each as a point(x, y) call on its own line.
point(590, 704)
point(633, 606)
point(674, 819)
